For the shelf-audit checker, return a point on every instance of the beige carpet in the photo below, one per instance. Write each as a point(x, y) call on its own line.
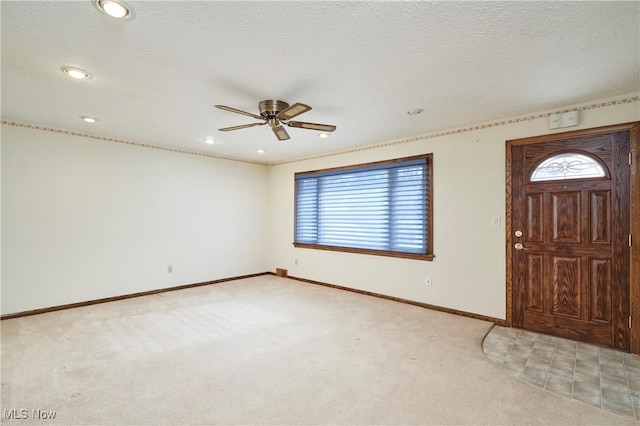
point(266, 350)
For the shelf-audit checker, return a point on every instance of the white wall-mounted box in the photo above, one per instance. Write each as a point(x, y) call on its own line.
point(570, 118)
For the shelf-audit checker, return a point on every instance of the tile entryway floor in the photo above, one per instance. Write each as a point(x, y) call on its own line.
point(602, 377)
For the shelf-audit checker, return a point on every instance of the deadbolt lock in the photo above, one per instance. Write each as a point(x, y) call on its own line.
point(518, 234)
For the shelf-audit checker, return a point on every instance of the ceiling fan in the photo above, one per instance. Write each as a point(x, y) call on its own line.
point(275, 113)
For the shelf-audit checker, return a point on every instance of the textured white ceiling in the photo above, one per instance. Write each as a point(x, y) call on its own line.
point(360, 65)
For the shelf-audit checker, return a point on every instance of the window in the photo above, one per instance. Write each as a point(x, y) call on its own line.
point(379, 208)
point(568, 165)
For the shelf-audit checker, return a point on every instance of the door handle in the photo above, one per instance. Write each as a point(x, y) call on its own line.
point(519, 246)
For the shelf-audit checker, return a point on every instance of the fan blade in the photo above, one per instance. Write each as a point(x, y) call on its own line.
point(238, 111)
point(242, 126)
point(292, 111)
point(312, 126)
point(281, 133)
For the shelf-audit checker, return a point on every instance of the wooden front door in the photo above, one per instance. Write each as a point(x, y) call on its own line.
point(570, 226)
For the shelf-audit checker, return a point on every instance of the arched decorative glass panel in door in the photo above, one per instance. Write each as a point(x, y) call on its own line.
point(568, 165)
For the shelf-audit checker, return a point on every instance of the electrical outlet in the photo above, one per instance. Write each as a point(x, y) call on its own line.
point(296, 261)
point(169, 268)
point(428, 281)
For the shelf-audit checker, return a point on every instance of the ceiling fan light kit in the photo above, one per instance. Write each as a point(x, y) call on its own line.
point(275, 113)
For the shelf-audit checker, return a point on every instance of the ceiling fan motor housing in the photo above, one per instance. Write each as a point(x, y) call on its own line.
point(270, 108)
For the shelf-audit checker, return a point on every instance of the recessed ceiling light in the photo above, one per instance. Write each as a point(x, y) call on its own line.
point(261, 151)
point(77, 73)
point(323, 135)
point(415, 111)
point(115, 9)
point(209, 141)
point(88, 119)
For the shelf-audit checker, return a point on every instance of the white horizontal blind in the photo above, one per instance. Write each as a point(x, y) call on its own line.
point(381, 207)
point(307, 210)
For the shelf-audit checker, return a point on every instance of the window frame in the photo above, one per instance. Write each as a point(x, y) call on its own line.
point(428, 256)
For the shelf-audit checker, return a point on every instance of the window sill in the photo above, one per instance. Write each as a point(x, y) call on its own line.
point(427, 257)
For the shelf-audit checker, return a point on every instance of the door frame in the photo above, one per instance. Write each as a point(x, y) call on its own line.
point(634, 180)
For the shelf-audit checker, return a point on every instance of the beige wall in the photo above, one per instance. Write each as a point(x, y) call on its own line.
point(85, 219)
point(468, 272)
